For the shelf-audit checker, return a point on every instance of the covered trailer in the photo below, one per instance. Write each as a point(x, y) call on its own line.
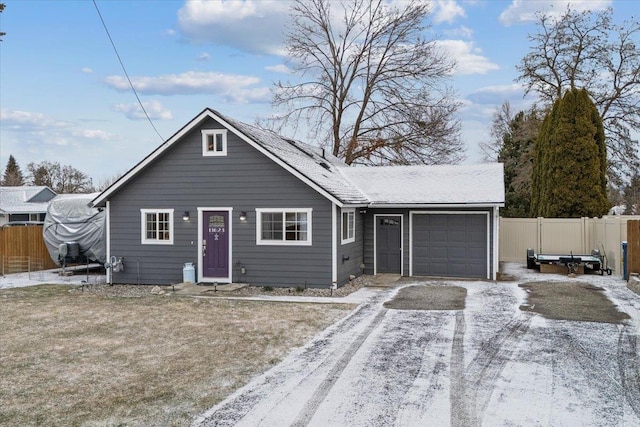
point(74, 232)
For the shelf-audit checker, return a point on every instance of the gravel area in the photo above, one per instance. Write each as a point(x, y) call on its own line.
point(137, 291)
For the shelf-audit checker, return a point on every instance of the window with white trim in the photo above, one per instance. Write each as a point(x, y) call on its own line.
point(157, 226)
point(214, 142)
point(283, 227)
point(348, 226)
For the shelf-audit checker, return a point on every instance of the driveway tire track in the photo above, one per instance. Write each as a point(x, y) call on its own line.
point(315, 356)
point(629, 367)
point(483, 372)
point(310, 408)
point(458, 406)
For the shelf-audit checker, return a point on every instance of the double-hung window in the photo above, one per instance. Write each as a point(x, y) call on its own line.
point(157, 226)
point(348, 226)
point(283, 227)
point(214, 142)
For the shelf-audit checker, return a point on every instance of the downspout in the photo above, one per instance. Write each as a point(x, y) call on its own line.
point(334, 247)
point(496, 242)
point(108, 242)
point(363, 220)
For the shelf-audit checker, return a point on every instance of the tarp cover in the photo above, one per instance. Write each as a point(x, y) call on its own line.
point(70, 219)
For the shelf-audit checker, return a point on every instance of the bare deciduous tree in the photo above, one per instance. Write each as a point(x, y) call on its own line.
point(500, 129)
point(587, 50)
point(369, 82)
point(61, 179)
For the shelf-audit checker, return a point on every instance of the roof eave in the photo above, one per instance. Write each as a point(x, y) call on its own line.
point(435, 205)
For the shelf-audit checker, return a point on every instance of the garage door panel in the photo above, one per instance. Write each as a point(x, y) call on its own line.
point(476, 253)
point(438, 236)
point(450, 245)
point(458, 236)
point(457, 253)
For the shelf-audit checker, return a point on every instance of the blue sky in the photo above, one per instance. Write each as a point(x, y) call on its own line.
point(64, 97)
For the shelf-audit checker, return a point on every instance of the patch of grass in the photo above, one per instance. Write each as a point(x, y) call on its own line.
point(429, 298)
point(76, 358)
point(267, 288)
point(571, 301)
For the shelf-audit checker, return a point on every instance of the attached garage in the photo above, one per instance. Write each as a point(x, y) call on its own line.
point(450, 244)
point(434, 221)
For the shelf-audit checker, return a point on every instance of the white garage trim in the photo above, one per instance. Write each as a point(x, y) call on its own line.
point(412, 213)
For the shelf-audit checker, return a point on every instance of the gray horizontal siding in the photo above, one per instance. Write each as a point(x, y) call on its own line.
point(354, 251)
point(369, 240)
point(183, 180)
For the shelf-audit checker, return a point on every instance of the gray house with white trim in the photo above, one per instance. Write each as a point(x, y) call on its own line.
point(246, 205)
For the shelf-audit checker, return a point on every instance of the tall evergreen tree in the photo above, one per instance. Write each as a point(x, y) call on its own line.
point(12, 174)
point(516, 152)
point(570, 160)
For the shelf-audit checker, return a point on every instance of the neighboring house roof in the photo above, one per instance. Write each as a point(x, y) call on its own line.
point(344, 185)
point(481, 184)
point(25, 199)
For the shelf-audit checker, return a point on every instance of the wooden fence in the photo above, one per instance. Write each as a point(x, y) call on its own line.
point(22, 249)
point(633, 247)
point(563, 236)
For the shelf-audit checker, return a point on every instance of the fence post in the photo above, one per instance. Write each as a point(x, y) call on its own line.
point(539, 236)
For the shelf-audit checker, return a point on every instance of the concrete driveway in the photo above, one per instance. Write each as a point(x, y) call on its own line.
point(489, 363)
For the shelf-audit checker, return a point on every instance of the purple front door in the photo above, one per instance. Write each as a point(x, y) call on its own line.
point(215, 244)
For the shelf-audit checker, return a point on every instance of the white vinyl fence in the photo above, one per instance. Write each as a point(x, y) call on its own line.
point(564, 236)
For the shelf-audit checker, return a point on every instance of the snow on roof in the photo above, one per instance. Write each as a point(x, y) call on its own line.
point(426, 185)
point(327, 174)
point(314, 163)
point(18, 199)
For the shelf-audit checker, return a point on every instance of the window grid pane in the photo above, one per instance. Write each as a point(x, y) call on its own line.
point(351, 225)
point(272, 226)
point(296, 226)
point(151, 226)
point(219, 146)
point(163, 226)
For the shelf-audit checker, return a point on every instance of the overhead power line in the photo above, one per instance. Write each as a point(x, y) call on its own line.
point(133, 89)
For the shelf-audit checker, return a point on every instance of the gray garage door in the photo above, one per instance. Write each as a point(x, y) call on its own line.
point(450, 245)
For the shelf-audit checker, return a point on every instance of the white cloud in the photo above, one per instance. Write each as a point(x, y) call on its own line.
point(469, 58)
point(86, 70)
point(462, 31)
point(497, 94)
point(447, 11)
point(26, 121)
point(171, 32)
point(204, 56)
point(250, 25)
point(525, 10)
point(154, 109)
point(280, 68)
point(93, 134)
point(40, 128)
point(232, 87)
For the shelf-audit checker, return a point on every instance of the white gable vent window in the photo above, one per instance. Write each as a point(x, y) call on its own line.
point(214, 142)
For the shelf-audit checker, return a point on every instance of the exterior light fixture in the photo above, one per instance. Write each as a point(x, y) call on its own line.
point(243, 216)
point(185, 216)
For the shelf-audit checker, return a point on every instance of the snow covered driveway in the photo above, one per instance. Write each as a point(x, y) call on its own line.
point(488, 364)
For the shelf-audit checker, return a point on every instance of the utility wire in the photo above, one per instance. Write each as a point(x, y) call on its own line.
point(125, 71)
